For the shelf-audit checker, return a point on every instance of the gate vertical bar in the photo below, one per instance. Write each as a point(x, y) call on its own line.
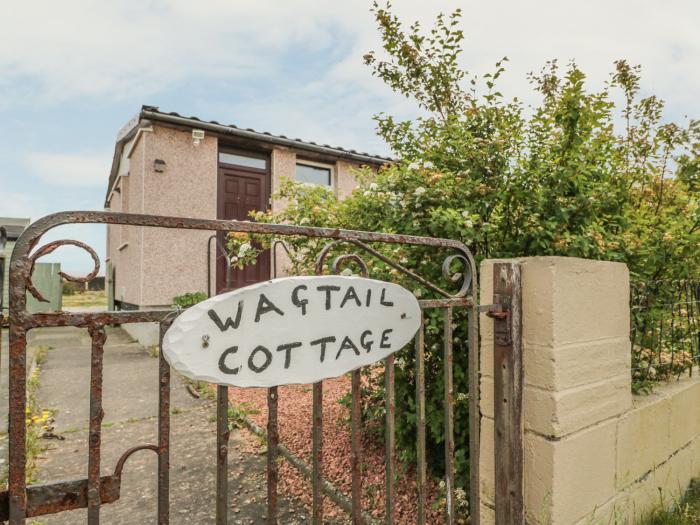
point(317, 455)
point(98, 335)
point(421, 466)
point(356, 449)
point(390, 438)
point(17, 397)
point(272, 452)
point(449, 418)
point(222, 435)
point(508, 379)
point(474, 410)
point(163, 432)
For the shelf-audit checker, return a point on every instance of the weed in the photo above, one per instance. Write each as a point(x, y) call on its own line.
point(237, 412)
point(686, 511)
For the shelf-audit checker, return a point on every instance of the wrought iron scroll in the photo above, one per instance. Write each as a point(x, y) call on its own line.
point(49, 248)
point(465, 276)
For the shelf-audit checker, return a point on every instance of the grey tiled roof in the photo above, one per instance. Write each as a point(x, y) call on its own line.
point(154, 112)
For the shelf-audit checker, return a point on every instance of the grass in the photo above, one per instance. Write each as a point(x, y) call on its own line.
point(36, 418)
point(685, 512)
point(85, 299)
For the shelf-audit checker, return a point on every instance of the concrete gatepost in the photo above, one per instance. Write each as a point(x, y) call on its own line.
point(576, 361)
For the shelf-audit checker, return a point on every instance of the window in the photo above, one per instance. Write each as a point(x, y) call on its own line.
point(314, 174)
point(237, 159)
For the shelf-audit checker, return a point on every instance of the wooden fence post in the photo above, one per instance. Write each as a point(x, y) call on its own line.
point(508, 394)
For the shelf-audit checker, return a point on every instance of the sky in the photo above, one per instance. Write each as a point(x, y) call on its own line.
point(71, 77)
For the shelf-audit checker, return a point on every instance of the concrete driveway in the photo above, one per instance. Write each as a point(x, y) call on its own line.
point(130, 405)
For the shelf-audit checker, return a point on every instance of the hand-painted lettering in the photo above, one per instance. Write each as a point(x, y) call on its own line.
point(383, 301)
point(301, 303)
point(328, 289)
point(229, 323)
point(347, 343)
point(287, 349)
point(222, 361)
point(364, 343)
point(251, 359)
point(384, 343)
point(350, 293)
point(265, 306)
point(323, 341)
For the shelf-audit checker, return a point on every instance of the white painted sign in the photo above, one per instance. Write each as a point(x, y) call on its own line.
point(291, 330)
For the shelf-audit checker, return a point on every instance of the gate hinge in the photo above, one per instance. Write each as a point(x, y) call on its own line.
point(500, 313)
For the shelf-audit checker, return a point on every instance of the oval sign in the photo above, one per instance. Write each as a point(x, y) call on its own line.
point(291, 330)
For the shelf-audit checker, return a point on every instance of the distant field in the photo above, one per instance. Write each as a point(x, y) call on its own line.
point(85, 299)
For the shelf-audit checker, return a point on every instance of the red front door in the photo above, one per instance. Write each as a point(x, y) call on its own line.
point(241, 191)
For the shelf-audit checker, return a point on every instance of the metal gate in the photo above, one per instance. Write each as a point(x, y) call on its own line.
point(22, 501)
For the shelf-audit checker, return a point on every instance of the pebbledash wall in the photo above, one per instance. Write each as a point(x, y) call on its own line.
point(153, 265)
point(593, 452)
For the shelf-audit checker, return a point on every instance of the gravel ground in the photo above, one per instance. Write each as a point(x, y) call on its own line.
point(295, 415)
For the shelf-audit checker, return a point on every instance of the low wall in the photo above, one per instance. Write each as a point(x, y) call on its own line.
point(147, 334)
point(593, 452)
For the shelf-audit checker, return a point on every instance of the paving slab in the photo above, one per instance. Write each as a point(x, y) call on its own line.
point(130, 404)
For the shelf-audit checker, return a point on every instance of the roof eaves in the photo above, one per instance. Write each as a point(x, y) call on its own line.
point(154, 113)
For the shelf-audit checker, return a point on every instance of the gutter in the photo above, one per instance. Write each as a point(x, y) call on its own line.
point(263, 137)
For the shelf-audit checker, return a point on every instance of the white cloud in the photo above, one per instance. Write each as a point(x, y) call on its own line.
point(65, 169)
point(22, 205)
point(131, 50)
point(88, 48)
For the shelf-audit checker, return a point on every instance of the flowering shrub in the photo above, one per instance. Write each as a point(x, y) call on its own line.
point(561, 178)
point(240, 249)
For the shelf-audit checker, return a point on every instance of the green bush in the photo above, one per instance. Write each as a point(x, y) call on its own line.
point(70, 288)
point(189, 299)
point(578, 174)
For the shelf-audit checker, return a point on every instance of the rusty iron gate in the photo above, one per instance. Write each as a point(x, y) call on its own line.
point(22, 501)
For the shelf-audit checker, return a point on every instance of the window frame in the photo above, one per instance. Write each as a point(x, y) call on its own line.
point(243, 153)
point(331, 167)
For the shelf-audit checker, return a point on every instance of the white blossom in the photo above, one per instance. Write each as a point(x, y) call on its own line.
point(374, 186)
point(243, 249)
point(413, 166)
point(428, 165)
point(420, 190)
